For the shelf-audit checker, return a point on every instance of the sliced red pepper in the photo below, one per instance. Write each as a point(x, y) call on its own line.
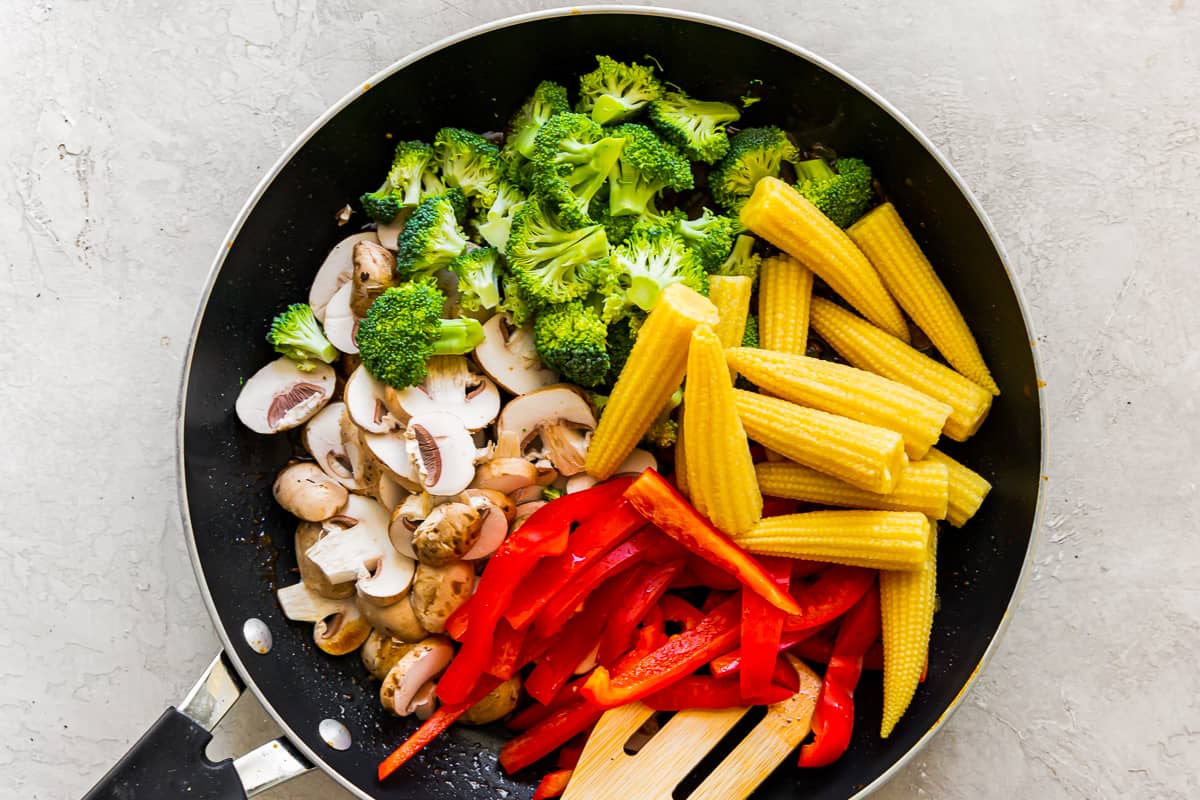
point(553, 784)
point(660, 503)
point(819, 649)
point(569, 755)
point(778, 506)
point(803, 569)
point(675, 609)
point(702, 691)
point(714, 599)
point(762, 626)
point(647, 585)
point(710, 576)
point(731, 662)
point(785, 675)
point(680, 656)
point(832, 593)
point(433, 727)
point(597, 535)
point(548, 735)
point(506, 651)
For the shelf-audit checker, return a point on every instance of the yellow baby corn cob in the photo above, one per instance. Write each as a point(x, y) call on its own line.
point(865, 456)
point(720, 471)
point(784, 292)
point(650, 376)
point(923, 487)
point(782, 216)
point(967, 488)
point(909, 276)
point(851, 392)
point(867, 347)
point(907, 600)
point(731, 295)
point(891, 540)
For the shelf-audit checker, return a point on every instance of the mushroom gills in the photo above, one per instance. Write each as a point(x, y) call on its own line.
point(339, 627)
point(442, 451)
point(560, 417)
point(281, 396)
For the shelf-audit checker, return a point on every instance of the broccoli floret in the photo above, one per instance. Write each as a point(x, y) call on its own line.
point(469, 162)
point(478, 271)
point(296, 334)
point(598, 401)
point(646, 166)
point(497, 218)
point(742, 259)
point(551, 260)
point(408, 180)
point(615, 91)
point(664, 431)
point(431, 238)
point(548, 99)
point(710, 236)
point(404, 327)
point(697, 127)
point(570, 339)
point(621, 336)
point(550, 493)
point(513, 302)
point(653, 258)
point(750, 337)
point(572, 158)
point(842, 192)
point(754, 154)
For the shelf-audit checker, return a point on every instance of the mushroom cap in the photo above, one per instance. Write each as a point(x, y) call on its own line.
point(364, 399)
point(443, 451)
point(362, 553)
point(450, 385)
point(374, 271)
point(335, 272)
point(438, 591)
point(340, 628)
point(333, 442)
point(505, 475)
point(341, 324)
point(280, 396)
point(397, 620)
point(509, 356)
point(557, 415)
point(495, 704)
point(380, 652)
point(307, 535)
point(389, 232)
point(416, 668)
point(406, 518)
point(447, 533)
point(304, 490)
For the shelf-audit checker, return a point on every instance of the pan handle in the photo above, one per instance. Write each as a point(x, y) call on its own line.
point(169, 759)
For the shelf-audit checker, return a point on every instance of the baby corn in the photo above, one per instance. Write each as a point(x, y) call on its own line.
point(653, 372)
point(891, 540)
point(786, 219)
point(681, 475)
point(906, 600)
point(863, 455)
point(923, 487)
point(848, 391)
point(784, 293)
point(731, 295)
point(867, 347)
point(967, 488)
point(909, 276)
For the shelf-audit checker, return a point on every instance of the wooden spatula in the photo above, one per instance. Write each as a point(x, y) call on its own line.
point(606, 770)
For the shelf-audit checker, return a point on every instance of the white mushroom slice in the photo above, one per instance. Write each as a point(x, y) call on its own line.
point(524, 512)
point(340, 628)
point(420, 665)
point(406, 518)
point(450, 385)
point(307, 535)
point(509, 356)
point(380, 652)
point(491, 533)
point(389, 232)
point(558, 417)
point(363, 553)
point(304, 490)
point(333, 442)
point(637, 462)
point(391, 493)
point(335, 272)
point(527, 494)
point(397, 620)
point(341, 326)
point(441, 448)
point(280, 396)
point(374, 273)
point(392, 450)
point(364, 398)
point(424, 703)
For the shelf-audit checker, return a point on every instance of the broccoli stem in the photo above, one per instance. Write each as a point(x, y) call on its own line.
point(814, 170)
point(607, 109)
point(643, 291)
point(457, 336)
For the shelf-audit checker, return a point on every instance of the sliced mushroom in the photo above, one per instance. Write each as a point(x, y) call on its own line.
point(396, 620)
point(341, 323)
point(558, 418)
point(418, 667)
point(340, 628)
point(508, 355)
point(305, 490)
point(506, 472)
point(364, 398)
point(450, 385)
point(437, 592)
point(498, 510)
point(374, 272)
point(334, 443)
point(392, 452)
point(363, 554)
point(497, 703)
point(390, 492)
point(307, 535)
point(637, 462)
point(406, 518)
point(380, 652)
point(527, 494)
point(335, 272)
point(524, 512)
point(280, 396)
point(448, 533)
point(442, 450)
point(389, 232)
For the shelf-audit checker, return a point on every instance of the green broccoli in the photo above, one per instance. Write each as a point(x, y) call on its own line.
point(548, 99)
point(754, 153)
point(615, 91)
point(653, 258)
point(497, 218)
point(598, 401)
point(409, 179)
point(842, 192)
point(664, 431)
point(696, 127)
point(404, 327)
point(469, 162)
point(621, 336)
point(431, 238)
point(646, 167)
point(552, 261)
point(296, 334)
point(570, 339)
point(742, 259)
point(572, 160)
point(513, 302)
point(710, 236)
point(750, 337)
point(550, 493)
point(478, 271)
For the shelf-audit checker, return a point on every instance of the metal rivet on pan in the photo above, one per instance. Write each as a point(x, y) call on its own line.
point(334, 734)
point(257, 635)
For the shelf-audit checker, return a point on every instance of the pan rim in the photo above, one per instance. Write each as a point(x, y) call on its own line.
point(510, 21)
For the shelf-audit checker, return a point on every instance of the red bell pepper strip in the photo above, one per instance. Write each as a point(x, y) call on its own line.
point(731, 663)
point(569, 755)
point(833, 717)
point(710, 576)
point(819, 649)
point(553, 784)
point(648, 544)
point(680, 656)
point(646, 587)
point(431, 728)
point(714, 599)
point(506, 651)
point(778, 506)
point(804, 569)
point(832, 593)
point(785, 675)
point(702, 691)
point(660, 503)
point(597, 535)
point(548, 735)
point(762, 626)
point(675, 609)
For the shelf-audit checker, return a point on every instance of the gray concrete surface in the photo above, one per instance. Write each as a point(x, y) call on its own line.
point(133, 130)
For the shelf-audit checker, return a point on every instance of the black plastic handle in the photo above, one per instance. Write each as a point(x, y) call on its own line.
point(169, 762)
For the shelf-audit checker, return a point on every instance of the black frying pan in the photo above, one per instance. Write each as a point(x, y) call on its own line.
point(240, 540)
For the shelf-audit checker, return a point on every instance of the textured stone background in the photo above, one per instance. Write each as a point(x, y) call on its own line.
point(134, 129)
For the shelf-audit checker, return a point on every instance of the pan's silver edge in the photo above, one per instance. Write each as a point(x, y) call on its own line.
point(737, 27)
